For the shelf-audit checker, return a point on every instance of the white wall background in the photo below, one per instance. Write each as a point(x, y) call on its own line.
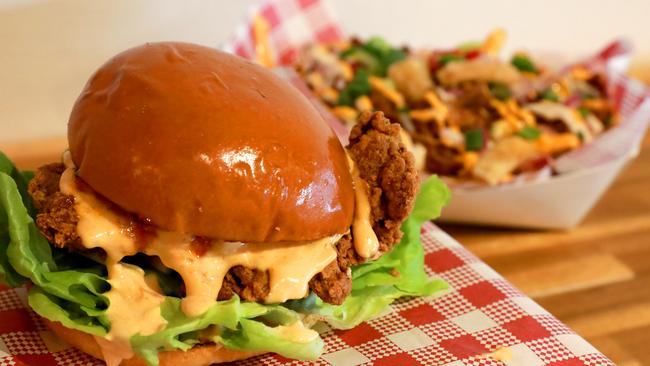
point(48, 48)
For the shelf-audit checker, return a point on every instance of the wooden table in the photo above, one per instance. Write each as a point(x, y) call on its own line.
point(595, 278)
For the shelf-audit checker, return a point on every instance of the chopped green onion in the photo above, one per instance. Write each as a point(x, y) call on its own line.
point(376, 55)
point(529, 133)
point(358, 86)
point(390, 58)
point(474, 139)
point(361, 56)
point(500, 91)
point(524, 64)
point(549, 94)
point(350, 51)
point(377, 46)
point(584, 112)
point(345, 98)
point(581, 136)
point(445, 59)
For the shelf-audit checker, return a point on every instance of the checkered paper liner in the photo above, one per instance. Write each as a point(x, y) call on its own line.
point(480, 313)
point(294, 23)
point(291, 23)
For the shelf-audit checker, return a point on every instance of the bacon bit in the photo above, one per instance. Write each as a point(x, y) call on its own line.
point(200, 245)
point(394, 272)
point(573, 101)
point(472, 54)
point(596, 104)
point(534, 164)
point(432, 62)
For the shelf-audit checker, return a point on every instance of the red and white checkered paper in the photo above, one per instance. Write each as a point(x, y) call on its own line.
point(479, 314)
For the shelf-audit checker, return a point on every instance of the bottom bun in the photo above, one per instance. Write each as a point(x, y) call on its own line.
point(202, 355)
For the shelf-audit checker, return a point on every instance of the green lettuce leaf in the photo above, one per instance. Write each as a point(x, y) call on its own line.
point(235, 324)
point(25, 255)
point(395, 274)
point(67, 313)
point(20, 179)
point(8, 198)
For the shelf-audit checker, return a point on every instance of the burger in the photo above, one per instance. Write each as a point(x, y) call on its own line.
point(205, 212)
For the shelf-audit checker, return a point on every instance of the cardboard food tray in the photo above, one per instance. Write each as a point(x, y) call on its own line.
point(561, 201)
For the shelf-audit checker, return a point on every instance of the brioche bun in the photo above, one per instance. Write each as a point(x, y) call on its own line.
point(195, 140)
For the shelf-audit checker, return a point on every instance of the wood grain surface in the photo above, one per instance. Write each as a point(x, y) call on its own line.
point(595, 278)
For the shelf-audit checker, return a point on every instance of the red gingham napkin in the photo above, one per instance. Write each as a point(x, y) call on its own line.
point(479, 314)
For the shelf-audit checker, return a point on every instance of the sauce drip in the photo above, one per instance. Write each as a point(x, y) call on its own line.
point(366, 243)
point(134, 309)
point(203, 270)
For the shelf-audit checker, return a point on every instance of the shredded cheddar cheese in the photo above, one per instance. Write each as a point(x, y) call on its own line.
point(551, 144)
point(345, 113)
point(469, 160)
point(391, 94)
point(329, 94)
point(363, 103)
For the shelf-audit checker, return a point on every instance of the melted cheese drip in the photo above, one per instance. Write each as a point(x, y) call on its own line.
point(134, 309)
point(366, 243)
point(289, 274)
point(133, 303)
point(100, 227)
